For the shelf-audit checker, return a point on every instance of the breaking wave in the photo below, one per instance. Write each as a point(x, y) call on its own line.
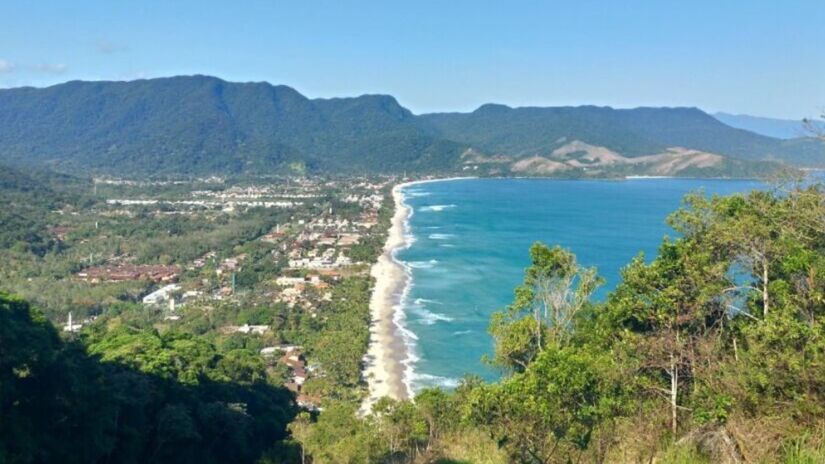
point(436, 208)
point(426, 380)
point(422, 264)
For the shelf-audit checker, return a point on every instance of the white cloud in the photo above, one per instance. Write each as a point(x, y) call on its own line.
point(6, 66)
point(50, 68)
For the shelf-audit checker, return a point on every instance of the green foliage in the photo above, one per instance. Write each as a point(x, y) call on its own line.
point(550, 412)
point(683, 454)
point(803, 450)
point(148, 398)
point(339, 343)
point(544, 309)
point(338, 436)
point(28, 197)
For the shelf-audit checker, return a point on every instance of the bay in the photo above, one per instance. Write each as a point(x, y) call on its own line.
point(470, 246)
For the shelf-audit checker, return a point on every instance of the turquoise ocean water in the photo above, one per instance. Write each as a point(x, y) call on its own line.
point(470, 246)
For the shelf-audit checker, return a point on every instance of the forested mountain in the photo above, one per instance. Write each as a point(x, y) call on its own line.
point(27, 199)
point(204, 125)
point(630, 132)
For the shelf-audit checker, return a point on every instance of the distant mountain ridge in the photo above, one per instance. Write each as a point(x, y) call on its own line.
point(771, 127)
point(631, 132)
point(204, 125)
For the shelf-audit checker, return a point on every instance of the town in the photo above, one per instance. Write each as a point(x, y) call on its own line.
point(261, 265)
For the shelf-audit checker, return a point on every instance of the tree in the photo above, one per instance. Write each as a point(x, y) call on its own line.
point(554, 291)
point(667, 308)
point(401, 426)
point(550, 412)
point(815, 128)
point(300, 429)
point(339, 436)
point(436, 408)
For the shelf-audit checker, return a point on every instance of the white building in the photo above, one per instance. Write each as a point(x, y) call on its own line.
point(255, 329)
point(161, 295)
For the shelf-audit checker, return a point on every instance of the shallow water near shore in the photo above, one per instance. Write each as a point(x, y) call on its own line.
point(471, 242)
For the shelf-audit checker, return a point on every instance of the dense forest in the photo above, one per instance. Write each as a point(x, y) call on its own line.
point(130, 395)
point(199, 125)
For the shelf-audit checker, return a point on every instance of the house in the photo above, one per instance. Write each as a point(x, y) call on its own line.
point(289, 281)
point(253, 329)
point(295, 361)
point(348, 240)
point(269, 351)
point(123, 272)
point(162, 295)
point(308, 402)
point(71, 326)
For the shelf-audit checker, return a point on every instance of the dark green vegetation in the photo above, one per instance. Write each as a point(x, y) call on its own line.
point(713, 351)
point(199, 125)
point(186, 125)
point(28, 197)
point(132, 396)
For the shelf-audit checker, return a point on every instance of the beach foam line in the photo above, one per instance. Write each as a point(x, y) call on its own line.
point(425, 316)
point(417, 193)
point(423, 264)
point(409, 337)
point(388, 370)
point(429, 380)
point(430, 318)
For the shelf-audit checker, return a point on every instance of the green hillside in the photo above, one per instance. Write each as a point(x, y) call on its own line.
point(631, 132)
point(28, 197)
point(204, 125)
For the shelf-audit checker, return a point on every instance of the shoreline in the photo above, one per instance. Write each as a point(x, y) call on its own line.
point(388, 362)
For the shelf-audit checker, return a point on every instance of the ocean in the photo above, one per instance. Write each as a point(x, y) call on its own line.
point(469, 247)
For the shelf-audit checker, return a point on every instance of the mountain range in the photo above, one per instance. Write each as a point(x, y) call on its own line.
point(771, 127)
point(192, 125)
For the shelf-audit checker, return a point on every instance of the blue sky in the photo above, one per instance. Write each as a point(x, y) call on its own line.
point(756, 57)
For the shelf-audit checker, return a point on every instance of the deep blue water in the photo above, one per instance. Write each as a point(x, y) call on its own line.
point(471, 247)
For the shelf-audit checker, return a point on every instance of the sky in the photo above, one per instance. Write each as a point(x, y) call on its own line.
point(765, 58)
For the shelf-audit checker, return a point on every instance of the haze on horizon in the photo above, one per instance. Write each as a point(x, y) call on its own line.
point(746, 57)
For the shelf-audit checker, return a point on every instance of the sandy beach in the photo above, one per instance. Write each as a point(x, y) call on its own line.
point(385, 363)
point(384, 368)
